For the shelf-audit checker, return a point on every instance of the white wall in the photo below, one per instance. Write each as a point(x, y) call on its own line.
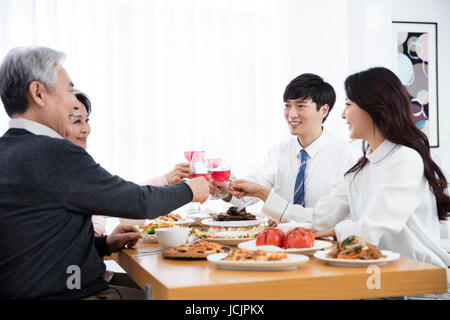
point(319, 44)
point(370, 44)
point(434, 11)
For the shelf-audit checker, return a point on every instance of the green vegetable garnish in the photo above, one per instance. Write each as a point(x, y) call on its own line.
point(149, 231)
point(348, 240)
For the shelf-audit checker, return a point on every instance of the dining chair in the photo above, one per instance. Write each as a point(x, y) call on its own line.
point(148, 292)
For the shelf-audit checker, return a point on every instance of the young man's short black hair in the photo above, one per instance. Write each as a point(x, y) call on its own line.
point(311, 86)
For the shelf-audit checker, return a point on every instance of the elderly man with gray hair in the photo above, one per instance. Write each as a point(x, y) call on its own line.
point(49, 187)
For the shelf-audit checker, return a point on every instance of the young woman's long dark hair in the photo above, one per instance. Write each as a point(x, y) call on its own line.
point(380, 93)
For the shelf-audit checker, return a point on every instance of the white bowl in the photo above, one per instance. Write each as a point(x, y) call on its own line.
point(149, 238)
point(172, 237)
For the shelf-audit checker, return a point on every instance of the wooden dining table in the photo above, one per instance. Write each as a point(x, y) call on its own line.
point(187, 279)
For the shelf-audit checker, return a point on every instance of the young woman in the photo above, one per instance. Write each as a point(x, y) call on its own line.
point(79, 136)
point(395, 195)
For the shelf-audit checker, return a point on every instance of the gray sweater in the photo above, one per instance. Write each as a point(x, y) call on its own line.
point(48, 190)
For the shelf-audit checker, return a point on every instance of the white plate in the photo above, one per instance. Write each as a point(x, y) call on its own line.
point(291, 263)
point(239, 223)
point(198, 217)
point(390, 256)
point(318, 245)
point(179, 222)
point(185, 221)
point(228, 237)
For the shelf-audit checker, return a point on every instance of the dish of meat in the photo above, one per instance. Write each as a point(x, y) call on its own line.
point(194, 250)
point(355, 252)
point(258, 260)
point(354, 247)
point(233, 218)
point(233, 214)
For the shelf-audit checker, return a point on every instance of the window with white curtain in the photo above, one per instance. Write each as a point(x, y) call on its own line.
point(167, 75)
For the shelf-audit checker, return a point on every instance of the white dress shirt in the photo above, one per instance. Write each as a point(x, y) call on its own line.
point(327, 161)
point(388, 203)
point(33, 127)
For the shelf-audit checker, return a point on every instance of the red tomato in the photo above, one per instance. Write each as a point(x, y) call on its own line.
point(270, 236)
point(299, 238)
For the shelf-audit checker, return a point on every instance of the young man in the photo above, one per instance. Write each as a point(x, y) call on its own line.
point(308, 165)
point(49, 188)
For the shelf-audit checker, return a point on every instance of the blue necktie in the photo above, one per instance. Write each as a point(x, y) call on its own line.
point(299, 189)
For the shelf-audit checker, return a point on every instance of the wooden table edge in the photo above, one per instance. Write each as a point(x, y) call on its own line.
point(432, 280)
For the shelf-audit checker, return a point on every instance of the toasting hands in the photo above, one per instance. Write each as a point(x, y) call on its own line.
point(200, 189)
point(220, 188)
point(178, 174)
point(242, 188)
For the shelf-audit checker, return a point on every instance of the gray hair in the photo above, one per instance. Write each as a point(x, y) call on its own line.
point(20, 67)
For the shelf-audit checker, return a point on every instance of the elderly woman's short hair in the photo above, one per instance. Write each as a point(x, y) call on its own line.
point(84, 99)
point(20, 67)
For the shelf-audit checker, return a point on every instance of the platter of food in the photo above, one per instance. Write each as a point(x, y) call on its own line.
point(148, 228)
point(249, 223)
point(176, 219)
point(258, 260)
point(194, 250)
point(227, 235)
point(355, 252)
point(234, 218)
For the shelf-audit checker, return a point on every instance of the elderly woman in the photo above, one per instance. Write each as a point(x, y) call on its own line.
point(79, 136)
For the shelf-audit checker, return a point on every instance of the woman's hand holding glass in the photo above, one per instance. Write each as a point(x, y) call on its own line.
point(178, 174)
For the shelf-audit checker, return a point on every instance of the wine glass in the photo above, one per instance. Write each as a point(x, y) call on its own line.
point(188, 155)
point(220, 173)
point(199, 168)
point(214, 162)
point(193, 146)
point(214, 154)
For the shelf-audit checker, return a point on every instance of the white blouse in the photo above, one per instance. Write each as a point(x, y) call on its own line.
point(388, 203)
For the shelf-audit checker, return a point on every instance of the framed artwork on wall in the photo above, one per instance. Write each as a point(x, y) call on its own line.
point(415, 54)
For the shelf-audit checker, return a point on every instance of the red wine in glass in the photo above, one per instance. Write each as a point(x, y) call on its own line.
point(190, 154)
point(221, 175)
point(196, 175)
